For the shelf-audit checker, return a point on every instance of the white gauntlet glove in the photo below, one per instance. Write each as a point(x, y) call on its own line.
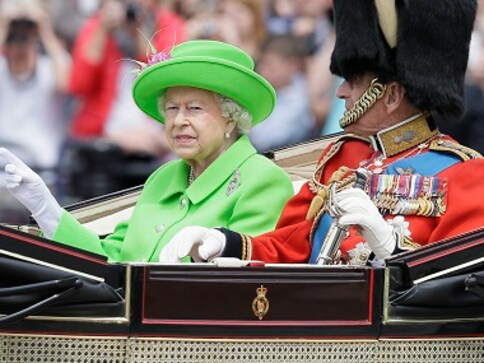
point(30, 190)
point(358, 209)
point(201, 243)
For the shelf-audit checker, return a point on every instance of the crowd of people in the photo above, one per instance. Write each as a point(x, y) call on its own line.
point(67, 69)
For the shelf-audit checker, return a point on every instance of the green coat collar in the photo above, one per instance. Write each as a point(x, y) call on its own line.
point(211, 179)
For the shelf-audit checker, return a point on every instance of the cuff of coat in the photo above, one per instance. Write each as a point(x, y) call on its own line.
point(405, 243)
point(236, 245)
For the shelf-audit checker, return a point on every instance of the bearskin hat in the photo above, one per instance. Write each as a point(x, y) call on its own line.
point(427, 52)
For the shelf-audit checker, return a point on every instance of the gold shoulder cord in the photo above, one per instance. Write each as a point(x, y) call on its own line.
point(321, 190)
point(318, 203)
point(314, 184)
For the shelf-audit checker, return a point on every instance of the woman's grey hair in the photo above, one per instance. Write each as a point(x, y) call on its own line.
point(229, 109)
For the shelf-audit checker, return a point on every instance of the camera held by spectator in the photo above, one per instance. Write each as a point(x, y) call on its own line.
point(132, 12)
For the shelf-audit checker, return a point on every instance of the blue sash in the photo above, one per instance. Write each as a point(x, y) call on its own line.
point(428, 164)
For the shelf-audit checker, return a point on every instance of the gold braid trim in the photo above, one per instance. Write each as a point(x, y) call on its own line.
point(405, 135)
point(407, 244)
point(464, 152)
point(339, 185)
point(246, 247)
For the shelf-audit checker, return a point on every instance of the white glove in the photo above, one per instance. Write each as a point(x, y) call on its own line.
point(358, 209)
point(30, 190)
point(201, 243)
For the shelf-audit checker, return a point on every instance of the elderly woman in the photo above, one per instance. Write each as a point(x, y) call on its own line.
point(208, 96)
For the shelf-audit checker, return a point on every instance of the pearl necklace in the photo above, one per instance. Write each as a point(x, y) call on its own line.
point(191, 177)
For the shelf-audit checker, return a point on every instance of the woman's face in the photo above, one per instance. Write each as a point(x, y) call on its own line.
point(195, 128)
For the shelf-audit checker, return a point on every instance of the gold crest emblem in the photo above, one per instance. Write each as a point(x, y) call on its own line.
point(260, 304)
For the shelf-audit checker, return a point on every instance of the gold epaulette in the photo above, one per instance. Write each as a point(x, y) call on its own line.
point(453, 147)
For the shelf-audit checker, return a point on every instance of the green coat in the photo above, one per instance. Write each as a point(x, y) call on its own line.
point(240, 190)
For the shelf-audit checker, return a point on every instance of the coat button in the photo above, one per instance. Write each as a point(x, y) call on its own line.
point(183, 202)
point(160, 227)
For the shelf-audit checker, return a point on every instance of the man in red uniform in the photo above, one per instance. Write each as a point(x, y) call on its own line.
point(400, 67)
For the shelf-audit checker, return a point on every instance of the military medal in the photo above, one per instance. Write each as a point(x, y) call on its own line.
point(408, 194)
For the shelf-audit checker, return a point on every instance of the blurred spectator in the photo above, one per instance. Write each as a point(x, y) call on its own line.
point(32, 84)
point(306, 19)
point(321, 82)
point(110, 136)
point(312, 24)
point(326, 107)
point(101, 78)
point(475, 72)
point(210, 25)
point(281, 15)
point(469, 129)
point(188, 9)
point(67, 17)
point(237, 22)
point(248, 18)
point(282, 64)
point(310, 21)
point(34, 70)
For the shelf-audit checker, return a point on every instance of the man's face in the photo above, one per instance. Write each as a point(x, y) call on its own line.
point(21, 47)
point(350, 91)
point(21, 58)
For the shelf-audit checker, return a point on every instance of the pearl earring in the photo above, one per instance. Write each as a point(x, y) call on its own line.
point(227, 135)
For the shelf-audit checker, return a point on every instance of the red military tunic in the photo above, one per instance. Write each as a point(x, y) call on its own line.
point(290, 241)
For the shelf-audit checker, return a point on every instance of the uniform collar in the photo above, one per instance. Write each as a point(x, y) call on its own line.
point(404, 135)
point(214, 176)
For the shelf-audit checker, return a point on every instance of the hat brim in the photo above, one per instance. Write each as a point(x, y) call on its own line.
point(246, 87)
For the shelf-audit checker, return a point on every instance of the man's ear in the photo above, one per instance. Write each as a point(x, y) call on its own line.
point(394, 96)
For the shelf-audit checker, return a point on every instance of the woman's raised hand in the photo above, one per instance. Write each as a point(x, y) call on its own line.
point(30, 190)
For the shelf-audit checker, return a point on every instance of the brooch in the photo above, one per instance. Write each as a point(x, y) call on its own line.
point(234, 183)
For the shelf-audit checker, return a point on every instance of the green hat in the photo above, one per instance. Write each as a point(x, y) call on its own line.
point(206, 64)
